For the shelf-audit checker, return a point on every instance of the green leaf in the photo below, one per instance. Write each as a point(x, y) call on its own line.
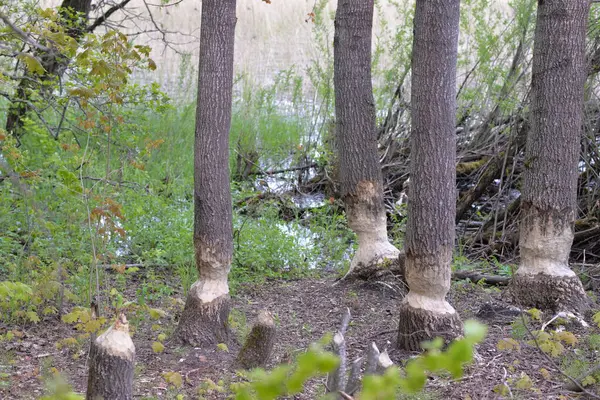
point(156, 313)
point(415, 377)
point(566, 337)
point(535, 314)
point(33, 64)
point(596, 319)
point(508, 344)
point(588, 380)
point(158, 347)
point(524, 382)
point(223, 347)
point(66, 176)
point(82, 92)
point(474, 330)
point(173, 378)
point(436, 343)
point(33, 317)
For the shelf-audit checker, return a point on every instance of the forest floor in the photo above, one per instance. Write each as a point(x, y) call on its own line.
point(304, 310)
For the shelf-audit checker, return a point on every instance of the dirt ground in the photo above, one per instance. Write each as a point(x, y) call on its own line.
point(304, 311)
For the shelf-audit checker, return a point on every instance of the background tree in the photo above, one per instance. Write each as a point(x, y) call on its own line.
point(72, 21)
point(424, 312)
point(205, 318)
point(360, 172)
point(548, 203)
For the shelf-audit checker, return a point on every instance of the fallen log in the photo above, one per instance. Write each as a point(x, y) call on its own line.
point(477, 277)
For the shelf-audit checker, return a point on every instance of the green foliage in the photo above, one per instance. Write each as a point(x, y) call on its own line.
point(519, 329)
point(157, 347)
point(287, 380)
point(83, 320)
point(553, 343)
point(452, 359)
point(268, 126)
point(58, 389)
point(596, 319)
point(173, 378)
point(20, 302)
point(223, 347)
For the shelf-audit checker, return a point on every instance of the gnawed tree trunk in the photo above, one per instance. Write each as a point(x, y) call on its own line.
point(360, 172)
point(544, 279)
point(112, 362)
point(204, 321)
point(424, 312)
point(259, 344)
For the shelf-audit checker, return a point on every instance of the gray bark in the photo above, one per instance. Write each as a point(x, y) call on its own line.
point(205, 317)
point(548, 202)
point(259, 344)
point(112, 363)
point(425, 313)
point(356, 138)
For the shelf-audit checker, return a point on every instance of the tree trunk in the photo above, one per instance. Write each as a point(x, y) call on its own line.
point(112, 362)
point(74, 15)
point(360, 172)
point(424, 312)
point(204, 319)
point(544, 279)
point(259, 344)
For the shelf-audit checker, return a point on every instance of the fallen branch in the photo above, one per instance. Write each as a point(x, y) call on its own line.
point(283, 171)
point(477, 277)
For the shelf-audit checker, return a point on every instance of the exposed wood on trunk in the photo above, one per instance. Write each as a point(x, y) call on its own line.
point(204, 319)
point(112, 363)
point(548, 204)
point(432, 205)
point(356, 137)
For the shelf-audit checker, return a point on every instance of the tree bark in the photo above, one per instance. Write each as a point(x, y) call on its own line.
point(204, 319)
point(424, 312)
point(112, 363)
point(360, 171)
point(544, 279)
point(259, 344)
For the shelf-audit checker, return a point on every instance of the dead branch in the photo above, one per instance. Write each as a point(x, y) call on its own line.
point(477, 277)
point(106, 15)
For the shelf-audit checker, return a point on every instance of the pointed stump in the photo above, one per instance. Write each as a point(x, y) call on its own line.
point(112, 362)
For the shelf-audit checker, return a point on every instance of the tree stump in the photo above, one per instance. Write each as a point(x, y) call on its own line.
point(259, 344)
point(112, 361)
